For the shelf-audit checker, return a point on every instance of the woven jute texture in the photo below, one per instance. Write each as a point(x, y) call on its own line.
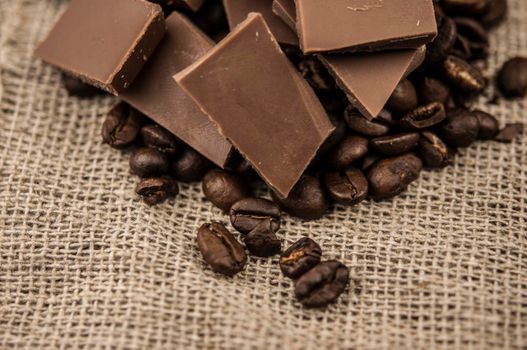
point(85, 264)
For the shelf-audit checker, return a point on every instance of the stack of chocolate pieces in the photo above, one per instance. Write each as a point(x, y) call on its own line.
point(323, 101)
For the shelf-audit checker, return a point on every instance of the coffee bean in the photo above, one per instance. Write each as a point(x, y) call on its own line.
point(494, 13)
point(156, 190)
point(248, 213)
point(403, 98)
point(424, 117)
point(463, 76)
point(300, 257)
point(307, 200)
point(363, 126)
point(488, 125)
point(155, 136)
point(147, 162)
point(462, 48)
point(391, 176)
point(438, 49)
point(323, 284)
point(432, 90)
point(78, 88)
point(476, 35)
point(122, 126)
point(433, 151)
point(316, 74)
point(220, 249)
point(468, 7)
point(460, 128)
point(336, 136)
point(370, 159)
point(223, 188)
point(512, 77)
point(190, 166)
point(262, 240)
point(509, 132)
point(348, 151)
point(395, 144)
point(347, 186)
point(386, 117)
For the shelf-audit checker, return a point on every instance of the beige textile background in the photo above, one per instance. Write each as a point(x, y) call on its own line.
point(85, 264)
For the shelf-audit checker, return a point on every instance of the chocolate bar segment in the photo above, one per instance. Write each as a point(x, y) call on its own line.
point(286, 10)
point(237, 11)
point(364, 25)
point(157, 95)
point(105, 43)
point(260, 103)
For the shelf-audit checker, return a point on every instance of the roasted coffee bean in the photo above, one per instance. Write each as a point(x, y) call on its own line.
point(494, 13)
point(432, 90)
point(190, 166)
point(316, 74)
point(262, 240)
point(336, 136)
point(460, 128)
point(156, 190)
point(220, 249)
point(392, 145)
point(370, 159)
point(462, 48)
point(323, 284)
point(349, 150)
point(122, 126)
point(363, 126)
point(463, 76)
point(224, 189)
point(386, 117)
point(475, 34)
point(300, 257)
point(438, 49)
point(468, 7)
point(147, 162)
point(78, 88)
point(512, 78)
point(509, 132)
point(391, 176)
point(346, 186)
point(155, 136)
point(488, 125)
point(424, 117)
point(307, 200)
point(248, 213)
point(403, 98)
point(433, 151)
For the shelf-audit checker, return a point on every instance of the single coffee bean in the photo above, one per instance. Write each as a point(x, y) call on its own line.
point(395, 144)
point(438, 49)
point(157, 189)
point(323, 284)
point(424, 117)
point(463, 76)
point(509, 132)
point(316, 74)
point(306, 201)
point(433, 151)
point(386, 117)
point(262, 240)
point(475, 34)
point(460, 128)
point(122, 126)
point(391, 176)
point(403, 98)
point(370, 159)
point(351, 149)
point(78, 88)
point(224, 189)
point(363, 126)
point(190, 166)
point(248, 213)
point(432, 90)
point(300, 257)
point(147, 162)
point(347, 186)
point(488, 125)
point(462, 48)
point(494, 13)
point(468, 7)
point(220, 249)
point(155, 136)
point(512, 77)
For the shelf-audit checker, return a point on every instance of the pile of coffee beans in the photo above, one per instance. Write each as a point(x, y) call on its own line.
point(429, 117)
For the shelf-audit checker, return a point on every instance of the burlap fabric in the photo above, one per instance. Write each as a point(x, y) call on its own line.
point(85, 264)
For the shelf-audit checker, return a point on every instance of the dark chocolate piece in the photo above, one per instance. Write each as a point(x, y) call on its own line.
point(158, 96)
point(364, 25)
point(105, 43)
point(260, 102)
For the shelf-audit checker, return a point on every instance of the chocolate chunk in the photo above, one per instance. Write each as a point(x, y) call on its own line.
point(286, 10)
point(105, 43)
point(158, 96)
point(260, 103)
